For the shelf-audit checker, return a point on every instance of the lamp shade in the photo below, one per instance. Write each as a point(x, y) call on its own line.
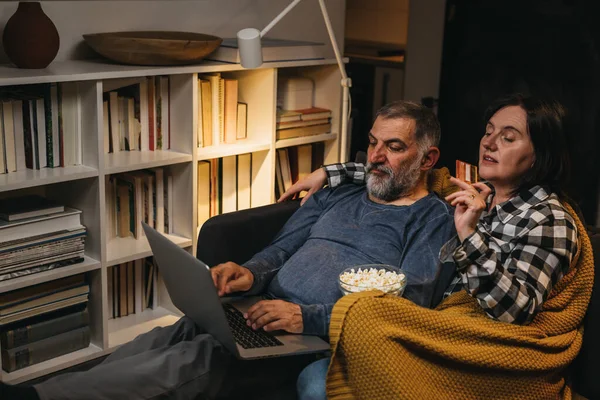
point(250, 48)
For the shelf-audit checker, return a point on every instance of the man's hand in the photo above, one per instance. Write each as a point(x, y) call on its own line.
point(231, 277)
point(272, 315)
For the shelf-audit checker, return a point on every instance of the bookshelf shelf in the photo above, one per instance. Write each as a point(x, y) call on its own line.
point(280, 144)
point(121, 250)
point(45, 176)
point(125, 161)
point(88, 264)
point(53, 365)
point(85, 70)
point(225, 150)
point(124, 329)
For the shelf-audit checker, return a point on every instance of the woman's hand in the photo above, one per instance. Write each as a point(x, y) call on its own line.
point(469, 203)
point(313, 182)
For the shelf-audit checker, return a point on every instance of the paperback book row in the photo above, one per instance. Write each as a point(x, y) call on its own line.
point(136, 197)
point(295, 163)
point(305, 122)
point(38, 234)
point(44, 321)
point(136, 114)
point(221, 117)
point(224, 185)
point(131, 287)
point(39, 127)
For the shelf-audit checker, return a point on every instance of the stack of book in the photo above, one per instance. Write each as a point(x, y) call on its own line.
point(136, 114)
point(131, 287)
point(44, 321)
point(136, 197)
point(38, 234)
point(38, 128)
point(305, 122)
point(224, 185)
point(222, 119)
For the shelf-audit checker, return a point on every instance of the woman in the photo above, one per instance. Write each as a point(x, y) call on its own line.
point(515, 239)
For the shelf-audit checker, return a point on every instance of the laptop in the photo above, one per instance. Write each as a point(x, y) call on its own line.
point(190, 285)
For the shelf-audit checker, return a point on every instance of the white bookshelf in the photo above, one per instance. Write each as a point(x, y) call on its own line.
point(84, 186)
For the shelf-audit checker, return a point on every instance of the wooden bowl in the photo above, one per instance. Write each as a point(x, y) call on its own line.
point(153, 47)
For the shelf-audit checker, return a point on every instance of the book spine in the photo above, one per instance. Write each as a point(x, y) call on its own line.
point(49, 127)
point(42, 330)
point(27, 135)
point(46, 349)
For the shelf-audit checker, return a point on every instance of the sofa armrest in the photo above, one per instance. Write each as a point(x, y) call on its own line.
point(238, 235)
point(585, 367)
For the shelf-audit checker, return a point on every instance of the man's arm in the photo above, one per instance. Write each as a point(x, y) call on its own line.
point(265, 264)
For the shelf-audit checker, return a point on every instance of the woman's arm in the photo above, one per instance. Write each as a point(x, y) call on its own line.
point(334, 175)
point(513, 291)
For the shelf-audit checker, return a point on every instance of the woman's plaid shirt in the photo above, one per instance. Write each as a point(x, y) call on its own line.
point(520, 249)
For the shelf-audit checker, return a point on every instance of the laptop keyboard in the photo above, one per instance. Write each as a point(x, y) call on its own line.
point(244, 335)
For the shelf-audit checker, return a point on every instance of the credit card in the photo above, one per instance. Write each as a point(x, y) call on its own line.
point(466, 172)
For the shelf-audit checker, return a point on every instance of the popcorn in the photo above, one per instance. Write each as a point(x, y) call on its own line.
point(372, 278)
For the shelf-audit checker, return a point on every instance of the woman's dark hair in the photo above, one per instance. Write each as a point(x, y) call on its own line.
point(545, 128)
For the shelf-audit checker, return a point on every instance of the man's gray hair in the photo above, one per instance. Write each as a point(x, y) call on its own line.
point(427, 127)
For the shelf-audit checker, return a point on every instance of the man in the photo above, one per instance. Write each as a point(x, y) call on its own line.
point(393, 220)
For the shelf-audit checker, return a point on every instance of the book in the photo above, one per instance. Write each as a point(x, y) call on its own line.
point(70, 218)
point(18, 208)
point(297, 124)
point(39, 290)
point(287, 116)
point(230, 110)
point(308, 114)
point(207, 118)
point(303, 131)
point(45, 349)
point(244, 181)
point(272, 50)
point(42, 309)
point(242, 121)
point(203, 192)
point(44, 300)
point(44, 326)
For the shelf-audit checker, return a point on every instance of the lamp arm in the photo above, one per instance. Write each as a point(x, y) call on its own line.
point(345, 82)
point(334, 44)
point(278, 18)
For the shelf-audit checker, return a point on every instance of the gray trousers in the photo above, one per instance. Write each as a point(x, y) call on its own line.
point(175, 362)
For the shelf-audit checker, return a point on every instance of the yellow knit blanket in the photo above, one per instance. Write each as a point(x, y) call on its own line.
point(385, 347)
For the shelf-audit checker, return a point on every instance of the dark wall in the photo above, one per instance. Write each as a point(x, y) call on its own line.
point(543, 47)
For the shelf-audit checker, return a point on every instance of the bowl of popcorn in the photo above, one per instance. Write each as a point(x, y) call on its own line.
point(387, 278)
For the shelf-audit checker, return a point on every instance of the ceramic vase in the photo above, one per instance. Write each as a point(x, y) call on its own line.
point(30, 38)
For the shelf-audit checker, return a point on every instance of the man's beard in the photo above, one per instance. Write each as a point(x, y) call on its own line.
point(393, 185)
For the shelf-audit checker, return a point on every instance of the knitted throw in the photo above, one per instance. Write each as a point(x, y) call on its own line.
point(385, 347)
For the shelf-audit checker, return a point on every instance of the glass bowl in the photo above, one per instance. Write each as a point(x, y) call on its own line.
point(387, 278)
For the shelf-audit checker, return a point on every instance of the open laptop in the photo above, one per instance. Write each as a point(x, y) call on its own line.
point(190, 285)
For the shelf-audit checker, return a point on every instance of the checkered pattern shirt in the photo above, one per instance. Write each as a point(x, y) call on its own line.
point(520, 250)
point(349, 172)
